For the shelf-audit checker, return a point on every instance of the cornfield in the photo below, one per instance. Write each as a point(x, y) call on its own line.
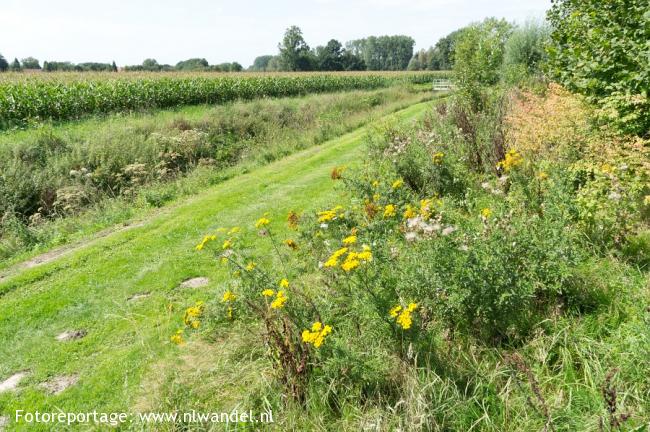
point(61, 96)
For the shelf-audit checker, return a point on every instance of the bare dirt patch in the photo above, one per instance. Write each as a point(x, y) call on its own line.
point(196, 282)
point(58, 385)
point(12, 382)
point(69, 335)
point(139, 296)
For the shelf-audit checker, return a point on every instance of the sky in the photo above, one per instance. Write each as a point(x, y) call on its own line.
point(128, 31)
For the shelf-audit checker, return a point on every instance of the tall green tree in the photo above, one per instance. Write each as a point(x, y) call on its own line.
point(295, 54)
point(352, 62)
point(193, 64)
point(442, 54)
point(384, 52)
point(602, 49)
point(330, 57)
point(4, 64)
point(15, 65)
point(261, 63)
point(150, 65)
point(30, 63)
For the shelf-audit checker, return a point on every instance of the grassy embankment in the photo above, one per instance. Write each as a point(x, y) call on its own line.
point(62, 182)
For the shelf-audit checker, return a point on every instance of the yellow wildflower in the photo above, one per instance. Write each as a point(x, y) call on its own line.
point(328, 215)
point(542, 175)
point(375, 183)
point(205, 241)
point(409, 213)
point(280, 300)
point(194, 311)
point(425, 208)
point(334, 258)
point(398, 184)
point(228, 296)
point(512, 160)
point(350, 240)
point(486, 213)
point(227, 244)
point(234, 230)
point(250, 266)
point(291, 244)
point(437, 158)
point(284, 283)
point(366, 255)
point(403, 315)
point(389, 211)
point(177, 338)
point(317, 334)
point(351, 262)
point(376, 197)
point(262, 222)
point(268, 293)
point(229, 312)
point(192, 314)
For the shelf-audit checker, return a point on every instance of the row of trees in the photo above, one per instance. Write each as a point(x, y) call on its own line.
point(494, 48)
point(53, 66)
point(377, 53)
point(30, 63)
point(27, 63)
point(372, 53)
point(193, 64)
point(392, 53)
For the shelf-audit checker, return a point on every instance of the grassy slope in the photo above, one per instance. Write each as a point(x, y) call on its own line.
point(115, 129)
point(89, 289)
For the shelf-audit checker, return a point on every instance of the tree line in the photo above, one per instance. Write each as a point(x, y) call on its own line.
point(375, 53)
point(30, 63)
point(371, 53)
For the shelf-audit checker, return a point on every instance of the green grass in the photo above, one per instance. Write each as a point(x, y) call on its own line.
point(90, 288)
point(241, 137)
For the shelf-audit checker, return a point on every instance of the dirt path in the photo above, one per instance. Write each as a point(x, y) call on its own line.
point(56, 253)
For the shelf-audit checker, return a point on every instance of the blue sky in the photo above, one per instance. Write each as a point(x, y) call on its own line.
point(129, 31)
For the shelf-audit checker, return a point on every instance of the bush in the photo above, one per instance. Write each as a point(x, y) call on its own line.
point(478, 57)
point(525, 51)
point(600, 50)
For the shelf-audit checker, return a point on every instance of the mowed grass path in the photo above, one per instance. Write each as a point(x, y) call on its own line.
point(90, 289)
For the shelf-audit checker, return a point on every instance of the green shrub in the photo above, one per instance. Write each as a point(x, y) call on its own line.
point(601, 50)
